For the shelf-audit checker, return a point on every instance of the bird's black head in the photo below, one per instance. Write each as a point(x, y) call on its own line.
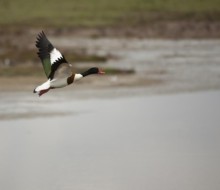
point(93, 70)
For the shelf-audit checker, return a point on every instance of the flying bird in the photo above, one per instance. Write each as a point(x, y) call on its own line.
point(58, 71)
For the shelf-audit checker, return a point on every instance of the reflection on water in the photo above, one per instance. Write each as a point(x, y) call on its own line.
point(140, 142)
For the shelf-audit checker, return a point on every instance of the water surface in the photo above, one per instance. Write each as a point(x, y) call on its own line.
point(126, 142)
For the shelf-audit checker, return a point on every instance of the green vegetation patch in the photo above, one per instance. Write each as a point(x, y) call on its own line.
point(103, 12)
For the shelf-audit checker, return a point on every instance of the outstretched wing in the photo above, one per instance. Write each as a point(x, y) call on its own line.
point(51, 58)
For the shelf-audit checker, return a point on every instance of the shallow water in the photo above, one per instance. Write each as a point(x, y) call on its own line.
point(125, 142)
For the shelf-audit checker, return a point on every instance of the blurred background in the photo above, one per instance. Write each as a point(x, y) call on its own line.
point(152, 122)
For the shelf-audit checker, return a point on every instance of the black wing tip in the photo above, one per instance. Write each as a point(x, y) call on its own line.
point(40, 36)
point(41, 33)
point(44, 46)
point(42, 41)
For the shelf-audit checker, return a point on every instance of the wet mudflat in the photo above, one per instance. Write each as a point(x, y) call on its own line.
point(136, 142)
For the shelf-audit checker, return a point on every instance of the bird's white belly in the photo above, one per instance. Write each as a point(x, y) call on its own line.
point(58, 83)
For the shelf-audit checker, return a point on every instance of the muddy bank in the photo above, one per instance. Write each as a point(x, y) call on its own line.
point(158, 65)
point(170, 29)
point(159, 29)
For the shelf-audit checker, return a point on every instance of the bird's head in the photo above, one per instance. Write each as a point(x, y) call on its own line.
point(93, 70)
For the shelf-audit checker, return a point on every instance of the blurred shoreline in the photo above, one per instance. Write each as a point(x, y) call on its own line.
point(164, 29)
point(166, 65)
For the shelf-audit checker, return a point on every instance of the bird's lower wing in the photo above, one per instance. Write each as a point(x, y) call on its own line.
point(63, 71)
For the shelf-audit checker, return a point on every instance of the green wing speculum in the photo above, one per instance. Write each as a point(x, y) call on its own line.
point(47, 66)
point(44, 48)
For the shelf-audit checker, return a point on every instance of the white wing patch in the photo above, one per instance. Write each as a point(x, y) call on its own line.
point(55, 55)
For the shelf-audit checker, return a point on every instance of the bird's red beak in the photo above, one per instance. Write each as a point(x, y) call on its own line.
point(101, 72)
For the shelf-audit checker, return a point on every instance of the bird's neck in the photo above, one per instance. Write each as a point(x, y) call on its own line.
point(85, 73)
point(78, 76)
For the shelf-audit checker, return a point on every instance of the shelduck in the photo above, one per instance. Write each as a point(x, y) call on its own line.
point(57, 69)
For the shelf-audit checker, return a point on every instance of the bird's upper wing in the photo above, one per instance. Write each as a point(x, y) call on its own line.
point(51, 58)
